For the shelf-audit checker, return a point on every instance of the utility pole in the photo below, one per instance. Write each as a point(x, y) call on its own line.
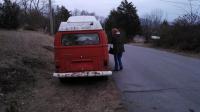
point(51, 18)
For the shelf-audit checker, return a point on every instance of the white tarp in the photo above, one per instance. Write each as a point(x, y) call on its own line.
point(80, 23)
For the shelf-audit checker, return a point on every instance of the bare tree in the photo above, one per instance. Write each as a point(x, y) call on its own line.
point(151, 23)
point(77, 12)
point(191, 9)
point(37, 5)
point(193, 16)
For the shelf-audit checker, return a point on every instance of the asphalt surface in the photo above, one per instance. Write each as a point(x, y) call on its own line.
point(158, 81)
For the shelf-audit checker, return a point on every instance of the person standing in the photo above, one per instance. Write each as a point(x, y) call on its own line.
point(118, 49)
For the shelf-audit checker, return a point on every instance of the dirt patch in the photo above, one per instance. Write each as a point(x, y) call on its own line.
point(77, 95)
point(13, 77)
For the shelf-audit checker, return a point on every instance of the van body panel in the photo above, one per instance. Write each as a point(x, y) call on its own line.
point(81, 57)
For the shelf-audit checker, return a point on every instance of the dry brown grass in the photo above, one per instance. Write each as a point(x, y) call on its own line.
point(24, 43)
point(22, 51)
point(21, 56)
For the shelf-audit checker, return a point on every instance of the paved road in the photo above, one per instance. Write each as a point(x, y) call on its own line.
point(158, 81)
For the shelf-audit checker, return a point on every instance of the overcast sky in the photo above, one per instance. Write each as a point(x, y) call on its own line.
point(170, 8)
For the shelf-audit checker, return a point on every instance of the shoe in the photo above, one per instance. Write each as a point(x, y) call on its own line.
point(120, 69)
point(115, 70)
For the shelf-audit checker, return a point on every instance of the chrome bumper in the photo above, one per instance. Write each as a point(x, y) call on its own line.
point(83, 74)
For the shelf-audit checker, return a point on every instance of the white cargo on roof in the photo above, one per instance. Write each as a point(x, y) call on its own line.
point(75, 23)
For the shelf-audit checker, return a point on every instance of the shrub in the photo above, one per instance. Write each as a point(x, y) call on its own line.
point(183, 34)
point(9, 13)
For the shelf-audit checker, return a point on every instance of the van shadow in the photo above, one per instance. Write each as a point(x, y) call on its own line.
point(83, 81)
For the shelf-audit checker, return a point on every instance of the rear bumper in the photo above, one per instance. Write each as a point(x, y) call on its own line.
point(83, 74)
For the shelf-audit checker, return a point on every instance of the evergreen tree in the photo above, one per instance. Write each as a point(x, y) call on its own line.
point(62, 14)
point(9, 13)
point(111, 22)
point(129, 19)
point(124, 17)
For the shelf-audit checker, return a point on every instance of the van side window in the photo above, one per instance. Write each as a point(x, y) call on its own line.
point(79, 39)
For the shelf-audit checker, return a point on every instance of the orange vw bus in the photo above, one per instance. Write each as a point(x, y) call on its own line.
point(81, 48)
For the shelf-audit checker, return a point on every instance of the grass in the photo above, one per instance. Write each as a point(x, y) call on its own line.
point(21, 56)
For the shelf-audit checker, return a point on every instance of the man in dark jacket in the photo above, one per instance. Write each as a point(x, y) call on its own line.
point(118, 49)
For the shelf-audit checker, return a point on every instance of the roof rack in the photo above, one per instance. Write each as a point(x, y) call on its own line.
point(75, 23)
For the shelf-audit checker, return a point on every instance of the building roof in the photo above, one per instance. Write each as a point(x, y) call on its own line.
point(75, 23)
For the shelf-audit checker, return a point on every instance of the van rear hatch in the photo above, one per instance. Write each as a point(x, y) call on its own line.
point(80, 52)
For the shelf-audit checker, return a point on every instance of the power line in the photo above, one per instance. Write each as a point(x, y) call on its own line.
point(182, 3)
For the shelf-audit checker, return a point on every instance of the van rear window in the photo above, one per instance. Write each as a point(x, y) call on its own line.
point(79, 39)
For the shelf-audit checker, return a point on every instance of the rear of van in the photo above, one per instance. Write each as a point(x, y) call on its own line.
point(81, 48)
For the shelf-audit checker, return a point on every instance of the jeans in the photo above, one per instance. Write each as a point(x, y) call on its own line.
point(118, 61)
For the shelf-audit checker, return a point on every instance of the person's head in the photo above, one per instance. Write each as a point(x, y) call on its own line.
point(115, 31)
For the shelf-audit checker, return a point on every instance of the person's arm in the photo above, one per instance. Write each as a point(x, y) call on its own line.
point(112, 40)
